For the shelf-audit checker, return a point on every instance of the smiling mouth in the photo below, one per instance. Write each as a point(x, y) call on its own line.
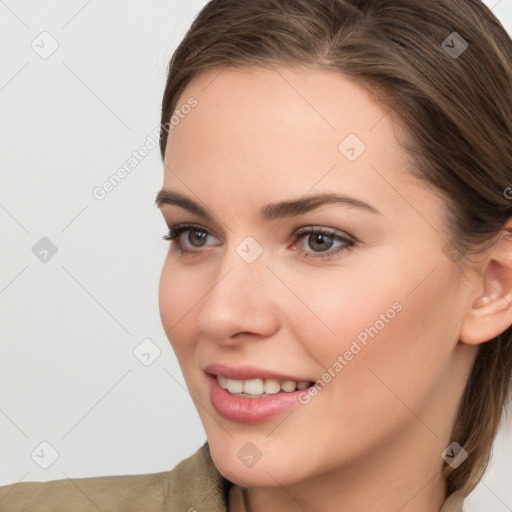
point(259, 388)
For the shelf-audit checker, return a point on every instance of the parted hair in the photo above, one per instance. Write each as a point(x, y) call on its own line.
point(443, 70)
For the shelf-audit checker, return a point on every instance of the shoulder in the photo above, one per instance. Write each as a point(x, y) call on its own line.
point(192, 481)
point(106, 493)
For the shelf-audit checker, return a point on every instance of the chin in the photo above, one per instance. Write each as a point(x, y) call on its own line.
point(268, 471)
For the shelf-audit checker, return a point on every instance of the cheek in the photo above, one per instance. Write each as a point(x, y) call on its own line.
point(402, 364)
point(177, 298)
point(339, 306)
point(394, 331)
point(402, 299)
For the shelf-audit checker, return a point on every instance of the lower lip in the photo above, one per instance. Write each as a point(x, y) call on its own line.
point(250, 410)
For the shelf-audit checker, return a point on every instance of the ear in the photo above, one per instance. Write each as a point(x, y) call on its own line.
point(491, 310)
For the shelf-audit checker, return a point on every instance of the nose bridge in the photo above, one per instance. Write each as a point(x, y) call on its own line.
point(240, 298)
point(244, 262)
point(241, 277)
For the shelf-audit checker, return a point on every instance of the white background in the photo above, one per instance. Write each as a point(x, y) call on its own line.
point(68, 375)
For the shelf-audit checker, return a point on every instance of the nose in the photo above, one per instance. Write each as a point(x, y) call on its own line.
point(240, 302)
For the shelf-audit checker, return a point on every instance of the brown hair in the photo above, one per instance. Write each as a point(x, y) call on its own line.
point(454, 101)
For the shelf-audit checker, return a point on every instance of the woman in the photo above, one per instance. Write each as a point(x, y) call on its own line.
point(338, 283)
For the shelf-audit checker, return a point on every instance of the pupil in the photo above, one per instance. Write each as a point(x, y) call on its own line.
point(319, 238)
point(196, 238)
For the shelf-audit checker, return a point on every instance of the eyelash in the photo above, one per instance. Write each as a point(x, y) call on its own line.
point(176, 231)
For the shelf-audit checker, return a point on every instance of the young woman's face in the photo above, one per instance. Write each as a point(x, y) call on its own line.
point(357, 294)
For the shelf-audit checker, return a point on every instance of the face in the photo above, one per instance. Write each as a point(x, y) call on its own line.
point(355, 295)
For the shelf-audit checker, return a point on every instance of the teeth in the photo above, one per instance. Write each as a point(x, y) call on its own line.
point(272, 386)
point(253, 386)
point(234, 386)
point(288, 385)
point(261, 387)
point(223, 381)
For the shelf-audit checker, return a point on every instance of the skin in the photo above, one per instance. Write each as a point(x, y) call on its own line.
point(372, 438)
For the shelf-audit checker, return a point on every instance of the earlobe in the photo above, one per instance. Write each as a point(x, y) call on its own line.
point(490, 313)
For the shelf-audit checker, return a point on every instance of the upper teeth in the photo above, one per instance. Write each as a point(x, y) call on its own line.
point(260, 386)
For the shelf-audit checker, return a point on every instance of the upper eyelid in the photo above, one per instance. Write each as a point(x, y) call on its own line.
point(298, 232)
point(324, 229)
point(189, 226)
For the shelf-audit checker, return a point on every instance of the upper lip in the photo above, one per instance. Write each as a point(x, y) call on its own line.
point(247, 372)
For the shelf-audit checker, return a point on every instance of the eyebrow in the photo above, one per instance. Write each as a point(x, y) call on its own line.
point(273, 210)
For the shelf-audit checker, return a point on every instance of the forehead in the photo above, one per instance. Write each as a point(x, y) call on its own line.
point(299, 101)
point(263, 130)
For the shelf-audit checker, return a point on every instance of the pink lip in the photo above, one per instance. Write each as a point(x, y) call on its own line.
point(250, 372)
point(250, 410)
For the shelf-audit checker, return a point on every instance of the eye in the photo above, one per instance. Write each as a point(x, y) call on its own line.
point(320, 239)
point(196, 236)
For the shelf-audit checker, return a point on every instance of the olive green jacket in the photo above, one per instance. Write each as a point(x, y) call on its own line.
point(194, 485)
